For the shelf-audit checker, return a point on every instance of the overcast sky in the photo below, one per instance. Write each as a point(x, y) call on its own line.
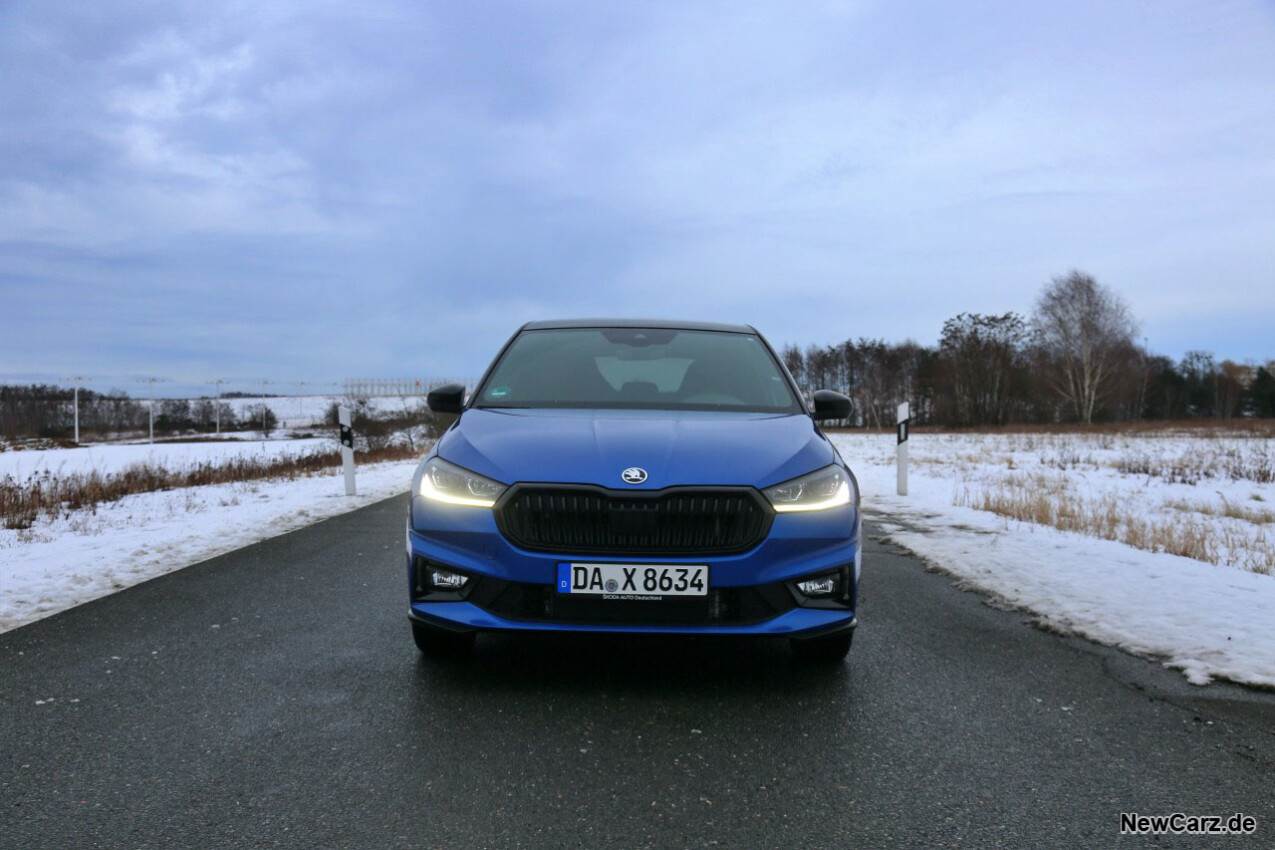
point(311, 191)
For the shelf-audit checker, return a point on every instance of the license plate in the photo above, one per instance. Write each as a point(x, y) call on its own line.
point(633, 581)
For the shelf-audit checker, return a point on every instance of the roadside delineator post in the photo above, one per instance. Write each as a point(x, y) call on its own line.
point(902, 434)
point(347, 448)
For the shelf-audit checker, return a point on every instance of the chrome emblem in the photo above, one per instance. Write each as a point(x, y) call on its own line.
point(633, 475)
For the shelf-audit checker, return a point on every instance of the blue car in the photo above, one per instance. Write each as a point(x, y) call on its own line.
point(635, 477)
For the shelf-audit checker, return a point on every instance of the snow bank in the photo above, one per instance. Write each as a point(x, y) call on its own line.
point(1207, 621)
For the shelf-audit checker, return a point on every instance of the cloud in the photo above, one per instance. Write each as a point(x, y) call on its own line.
point(241, 185)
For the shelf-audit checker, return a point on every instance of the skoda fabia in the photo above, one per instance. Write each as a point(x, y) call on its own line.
point(635, 477)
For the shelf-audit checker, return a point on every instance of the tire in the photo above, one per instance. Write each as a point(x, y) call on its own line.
point(439, 643)
point(828, 650)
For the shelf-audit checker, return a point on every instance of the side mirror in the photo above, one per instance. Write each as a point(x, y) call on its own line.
point(830, 405)
point(449, 398)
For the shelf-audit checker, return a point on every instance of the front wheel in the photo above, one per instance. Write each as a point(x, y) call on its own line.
point(828, 650)
point(440, 643)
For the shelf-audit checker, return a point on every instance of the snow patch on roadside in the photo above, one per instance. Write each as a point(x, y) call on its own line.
point(57, 565)
point(1206, 621)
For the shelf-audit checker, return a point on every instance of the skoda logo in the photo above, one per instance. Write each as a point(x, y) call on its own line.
point(633, 475)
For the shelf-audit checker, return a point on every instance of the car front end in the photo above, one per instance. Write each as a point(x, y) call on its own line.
point(689, 514)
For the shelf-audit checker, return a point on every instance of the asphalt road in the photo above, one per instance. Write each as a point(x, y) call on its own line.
point(273, 697)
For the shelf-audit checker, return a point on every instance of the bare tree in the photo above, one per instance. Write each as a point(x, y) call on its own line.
point(913, 379)
point(1080, 327)
point(1232, 381)
point(795, 363)
point(820, 366)
point(982, 361)
point(1262, 392)
point(869, 369)
point(1199, 374)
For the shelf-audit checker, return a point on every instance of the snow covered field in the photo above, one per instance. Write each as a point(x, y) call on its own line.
point(58, 564)
point(1207, 620)
point(107, 458)
point(293, 411)
point(299, 412)
point(307, 411)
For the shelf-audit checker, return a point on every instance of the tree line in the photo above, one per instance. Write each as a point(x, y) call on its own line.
point(1074, 359)
point(48, 411)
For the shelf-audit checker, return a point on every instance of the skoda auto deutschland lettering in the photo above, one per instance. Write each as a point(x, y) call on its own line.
point(635, 477)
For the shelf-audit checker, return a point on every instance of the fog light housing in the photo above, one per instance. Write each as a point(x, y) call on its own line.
point(440, 579)
point(821, 586)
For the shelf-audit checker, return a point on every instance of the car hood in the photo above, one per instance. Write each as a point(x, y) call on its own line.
point(674, 447)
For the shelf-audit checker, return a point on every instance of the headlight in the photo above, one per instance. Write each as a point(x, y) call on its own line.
point(825, 488)
point(447, 482)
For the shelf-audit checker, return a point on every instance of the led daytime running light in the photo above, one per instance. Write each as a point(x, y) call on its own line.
point(810, 492)
point(840, 497)
point(430, 490)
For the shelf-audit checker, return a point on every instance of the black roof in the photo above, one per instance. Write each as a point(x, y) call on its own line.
point(639, 323)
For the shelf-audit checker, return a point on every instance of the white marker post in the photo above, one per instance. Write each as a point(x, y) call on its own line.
point(217, 402)
point(347, 448)
point(903, 448)
point(78, 381)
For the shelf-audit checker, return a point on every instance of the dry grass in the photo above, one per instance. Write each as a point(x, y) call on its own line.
point(1202, 457)
point(1046, 500)
point(1228, 509)
point(1253, 462)
point(22, 502)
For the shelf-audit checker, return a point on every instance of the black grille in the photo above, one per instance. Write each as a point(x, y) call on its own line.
point(676, 521)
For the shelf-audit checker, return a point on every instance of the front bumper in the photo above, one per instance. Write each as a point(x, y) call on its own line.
point(751, 593)
point(797, 623)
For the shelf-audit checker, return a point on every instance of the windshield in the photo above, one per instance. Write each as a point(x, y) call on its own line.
point(652, 368)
